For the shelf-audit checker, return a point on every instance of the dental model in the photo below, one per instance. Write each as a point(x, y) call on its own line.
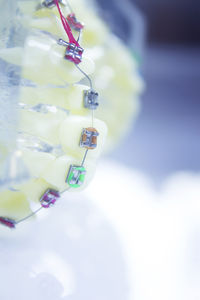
point(59, 137)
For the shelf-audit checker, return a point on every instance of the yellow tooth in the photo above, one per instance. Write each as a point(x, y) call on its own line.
point(45, 126)
point(70, 98)
point(45, 12)
point(51, 24)
point(12, 55)
point(93, 25)
point(36, 162)
point(56, 173)
point(44, 63)
point(90, 166)
point(70, 134)
point(13, 205)
point(34, 189)
point(26, 7)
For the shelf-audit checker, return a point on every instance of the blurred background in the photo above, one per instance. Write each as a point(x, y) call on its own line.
point(166, 136)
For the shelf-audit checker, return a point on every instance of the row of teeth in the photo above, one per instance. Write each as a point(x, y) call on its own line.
point(57, 115)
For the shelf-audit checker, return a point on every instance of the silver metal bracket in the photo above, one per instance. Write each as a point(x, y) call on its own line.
point(91, 99)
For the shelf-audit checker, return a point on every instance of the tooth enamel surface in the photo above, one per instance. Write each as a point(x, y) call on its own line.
point(45, 126)
point(70, 135)
point(51, 24)
point(90, 166)
point(57, 171)
point(13, 205)
point(94, 26)
point(70, 98)
point(44, 63)
point(26, 7)
point(45, 12)
point(36, 162)
point(37, 188)
point(12, 55)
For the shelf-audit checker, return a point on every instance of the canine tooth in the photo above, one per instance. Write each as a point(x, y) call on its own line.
point(36, 162)
point(12, 55)
point(13, 205)
point(44, 63)
point(46, 126)
point(70, 98)
point(70, 134)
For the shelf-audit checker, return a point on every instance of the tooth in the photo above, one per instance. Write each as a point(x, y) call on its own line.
point(46, 12)
point(34, 189)
point(70, 135)
point(12, 55)
point(69, 98)
point(51, 24)
point(90, 167)
point(36, 162)
point(13, 205)
point(26, 7)
point(44, 63)
point(56, 173)
point(94, 25)
point(46, 126)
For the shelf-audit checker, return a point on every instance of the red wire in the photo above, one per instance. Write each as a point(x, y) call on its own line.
point(66, 26)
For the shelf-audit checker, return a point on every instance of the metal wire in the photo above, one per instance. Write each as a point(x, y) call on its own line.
point(29, 216)
point(86, 75)
point(84, 158)
point(86, 152)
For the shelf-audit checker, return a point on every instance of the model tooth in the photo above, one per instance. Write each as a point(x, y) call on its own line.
point(45, 126)
point(57, 171)
point(26, 7)
point(51, 24)
point(44, 63)
point(93, 25)
point(37, 188)
point(12, 55)
point(36, 162)
point(46, 12)
point(70, 98)
point(13, 205)
point(90, 167)
point(70, 135)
